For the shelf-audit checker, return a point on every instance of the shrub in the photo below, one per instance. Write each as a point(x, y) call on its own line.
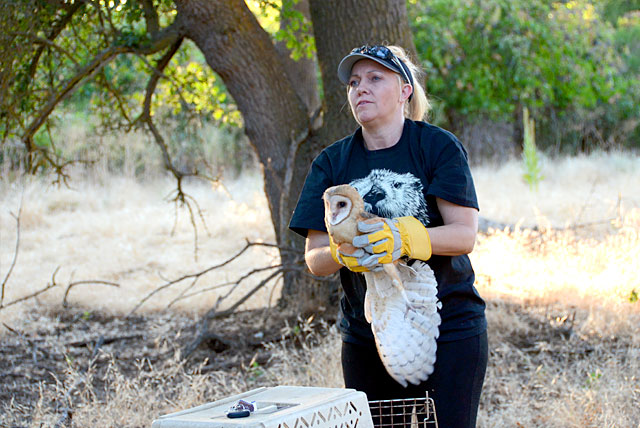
point(490, 58)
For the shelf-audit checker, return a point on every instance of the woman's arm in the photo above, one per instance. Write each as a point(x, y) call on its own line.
point(317, 254)
point(458, 234)
point(456, 237)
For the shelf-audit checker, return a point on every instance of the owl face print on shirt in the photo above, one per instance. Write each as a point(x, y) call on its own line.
point(390, 194)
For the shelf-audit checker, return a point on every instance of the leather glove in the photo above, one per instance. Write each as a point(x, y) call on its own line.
point(357, 261)
point(395, 238)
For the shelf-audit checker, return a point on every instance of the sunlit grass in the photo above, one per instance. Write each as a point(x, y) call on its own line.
point(561, 266)
point(564, 324)
point(586, 242)
point(574, 191)
point(124, 231)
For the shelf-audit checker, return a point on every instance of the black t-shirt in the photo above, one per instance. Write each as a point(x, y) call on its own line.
point(402, 180)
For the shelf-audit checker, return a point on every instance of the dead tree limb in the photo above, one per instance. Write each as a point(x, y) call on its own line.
point(281, 269)
point(243, 299)
point(15, 253)
point(48, 287)
point(203, 325)
point(235, 284)
point(84, 282)
point(54, 284)
point(197, 275)
point(103, 340)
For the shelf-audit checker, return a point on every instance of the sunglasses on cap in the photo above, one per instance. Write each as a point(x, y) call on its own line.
point(379, 53)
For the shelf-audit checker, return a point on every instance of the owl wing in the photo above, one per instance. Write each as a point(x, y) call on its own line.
point(405, 321)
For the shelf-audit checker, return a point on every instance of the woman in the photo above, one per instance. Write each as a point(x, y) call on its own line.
point(418, 175)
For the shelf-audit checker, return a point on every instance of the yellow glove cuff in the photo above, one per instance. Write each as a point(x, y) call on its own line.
point(415, 238)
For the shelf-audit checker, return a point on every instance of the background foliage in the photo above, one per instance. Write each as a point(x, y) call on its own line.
point(575, 65)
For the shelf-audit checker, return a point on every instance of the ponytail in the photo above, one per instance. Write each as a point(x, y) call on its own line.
point(419, 107)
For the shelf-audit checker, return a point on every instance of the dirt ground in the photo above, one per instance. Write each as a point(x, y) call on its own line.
point(60, 340)
point(539, 350)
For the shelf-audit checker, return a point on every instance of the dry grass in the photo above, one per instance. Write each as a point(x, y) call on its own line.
point(126, 232)
point(564, 322)
point(574, 191)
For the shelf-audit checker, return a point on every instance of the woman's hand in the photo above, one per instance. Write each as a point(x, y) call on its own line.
point(395, 238)
point(317, 254)
point(323, 257)
point(406, 236)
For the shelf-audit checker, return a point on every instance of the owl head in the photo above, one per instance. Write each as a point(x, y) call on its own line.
point(340, 202)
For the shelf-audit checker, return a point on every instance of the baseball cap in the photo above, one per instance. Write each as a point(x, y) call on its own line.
point(378, 53)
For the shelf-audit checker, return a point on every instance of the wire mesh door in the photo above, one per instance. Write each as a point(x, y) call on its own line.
point(404, 413)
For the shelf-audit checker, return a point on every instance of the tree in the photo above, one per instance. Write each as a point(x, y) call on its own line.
point(54, 46)
point(489, 59)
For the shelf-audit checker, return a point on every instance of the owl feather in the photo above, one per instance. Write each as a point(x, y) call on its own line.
point(400, 302)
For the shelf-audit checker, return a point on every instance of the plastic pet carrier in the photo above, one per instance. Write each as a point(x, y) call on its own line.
point(304, 407)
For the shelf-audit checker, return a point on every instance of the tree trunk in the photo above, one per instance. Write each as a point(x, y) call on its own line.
point(341, 25)
point(303, 72)
point(276, 120)
point(263, 81)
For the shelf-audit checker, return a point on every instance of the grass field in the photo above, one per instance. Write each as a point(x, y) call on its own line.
point(561, 284)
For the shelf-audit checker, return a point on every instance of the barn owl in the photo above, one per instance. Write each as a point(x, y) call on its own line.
point(400, 301)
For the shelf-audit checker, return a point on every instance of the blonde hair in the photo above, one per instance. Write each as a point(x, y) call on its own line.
point(419, 106)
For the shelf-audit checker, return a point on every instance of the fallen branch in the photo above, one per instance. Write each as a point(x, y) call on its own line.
point(87, 281)
point(213, 313)
point(54, 284)
point(103, 340)
point(183, 295)
point(49, 286)
point(243, 299)
point(15, 253)
point(197, 275)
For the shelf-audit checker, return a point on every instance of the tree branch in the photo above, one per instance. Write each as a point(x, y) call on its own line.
point(151, 17)
point(84, 282)
point(15, 253)
point(67, 87)
point(169, 37)
point(146, 117)
point(55, 31)
point(46, 42)
point(146, 110)
point(117, 96)
point(198, 274)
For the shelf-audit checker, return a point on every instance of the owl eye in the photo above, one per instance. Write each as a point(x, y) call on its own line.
point(342, 204)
